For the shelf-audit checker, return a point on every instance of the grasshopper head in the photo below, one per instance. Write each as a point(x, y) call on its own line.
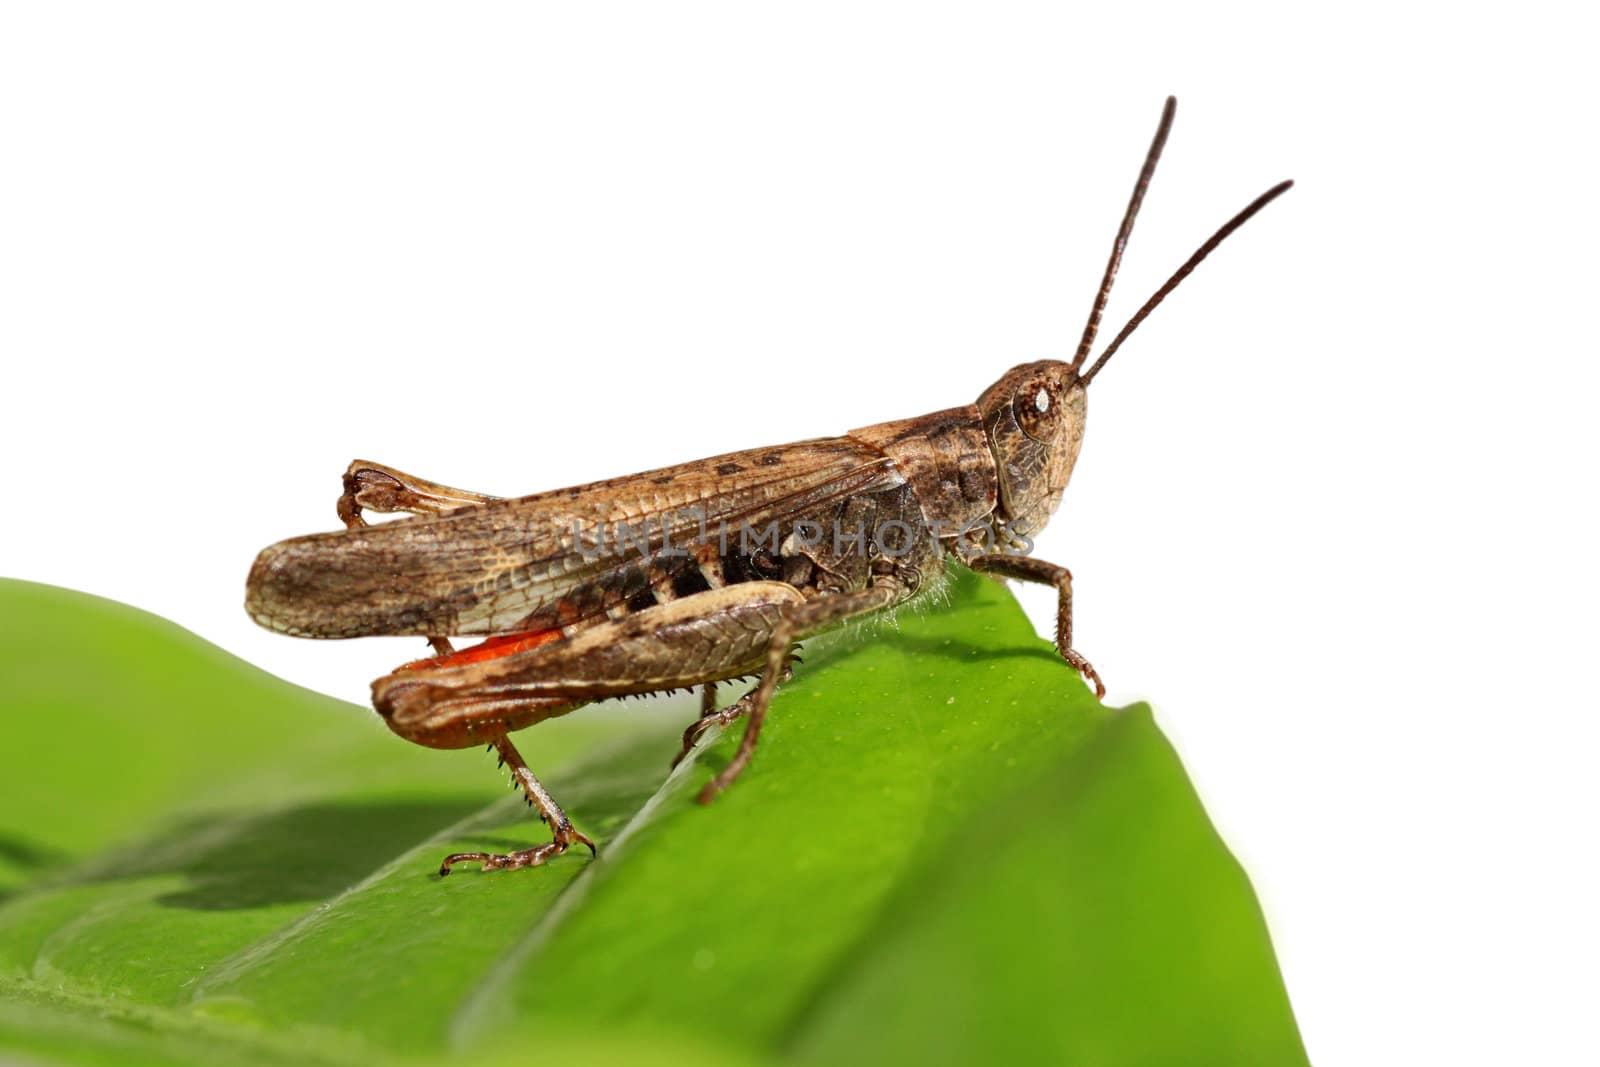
point(1033, 417)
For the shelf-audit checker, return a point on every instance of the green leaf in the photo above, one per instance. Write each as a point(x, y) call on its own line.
point(945, 851)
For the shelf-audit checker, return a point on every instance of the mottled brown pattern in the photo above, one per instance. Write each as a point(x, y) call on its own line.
point(708, 637)
point(515, 564)
point(672, 608)
point(945, 459)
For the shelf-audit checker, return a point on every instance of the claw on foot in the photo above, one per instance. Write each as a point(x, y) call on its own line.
point(721, 781)
point(697, 730)
point(710, 791)
point(1082, 666)
point(565, 838)
point(726, 717)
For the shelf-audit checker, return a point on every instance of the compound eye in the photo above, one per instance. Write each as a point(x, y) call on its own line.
point(1038, 410)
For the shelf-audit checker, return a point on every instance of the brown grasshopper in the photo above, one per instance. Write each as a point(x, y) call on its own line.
point(690, 575)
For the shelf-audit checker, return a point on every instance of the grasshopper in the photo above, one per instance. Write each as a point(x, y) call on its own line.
point(634, 585)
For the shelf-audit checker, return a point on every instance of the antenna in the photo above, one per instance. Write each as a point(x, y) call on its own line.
point(1182, 272)
point(1145, 173)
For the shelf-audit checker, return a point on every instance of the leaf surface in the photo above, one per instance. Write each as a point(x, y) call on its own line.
point(945, 851)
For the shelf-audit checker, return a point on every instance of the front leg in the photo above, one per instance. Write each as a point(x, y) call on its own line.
point(1027, 569)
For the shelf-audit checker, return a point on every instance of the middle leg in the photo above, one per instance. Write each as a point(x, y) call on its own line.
point(796, 622)
point(710, 716)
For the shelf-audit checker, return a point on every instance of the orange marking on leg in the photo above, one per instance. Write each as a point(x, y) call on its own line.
point(489, 648)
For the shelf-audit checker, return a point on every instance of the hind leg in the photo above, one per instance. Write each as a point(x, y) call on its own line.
point(563, 835)
point(374, 487)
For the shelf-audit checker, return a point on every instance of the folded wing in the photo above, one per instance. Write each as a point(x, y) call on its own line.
point(548, 560)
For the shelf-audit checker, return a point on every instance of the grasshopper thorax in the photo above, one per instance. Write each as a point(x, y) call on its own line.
point(1033, 418)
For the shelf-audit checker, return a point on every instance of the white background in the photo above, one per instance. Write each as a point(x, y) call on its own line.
point(1334, 516)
